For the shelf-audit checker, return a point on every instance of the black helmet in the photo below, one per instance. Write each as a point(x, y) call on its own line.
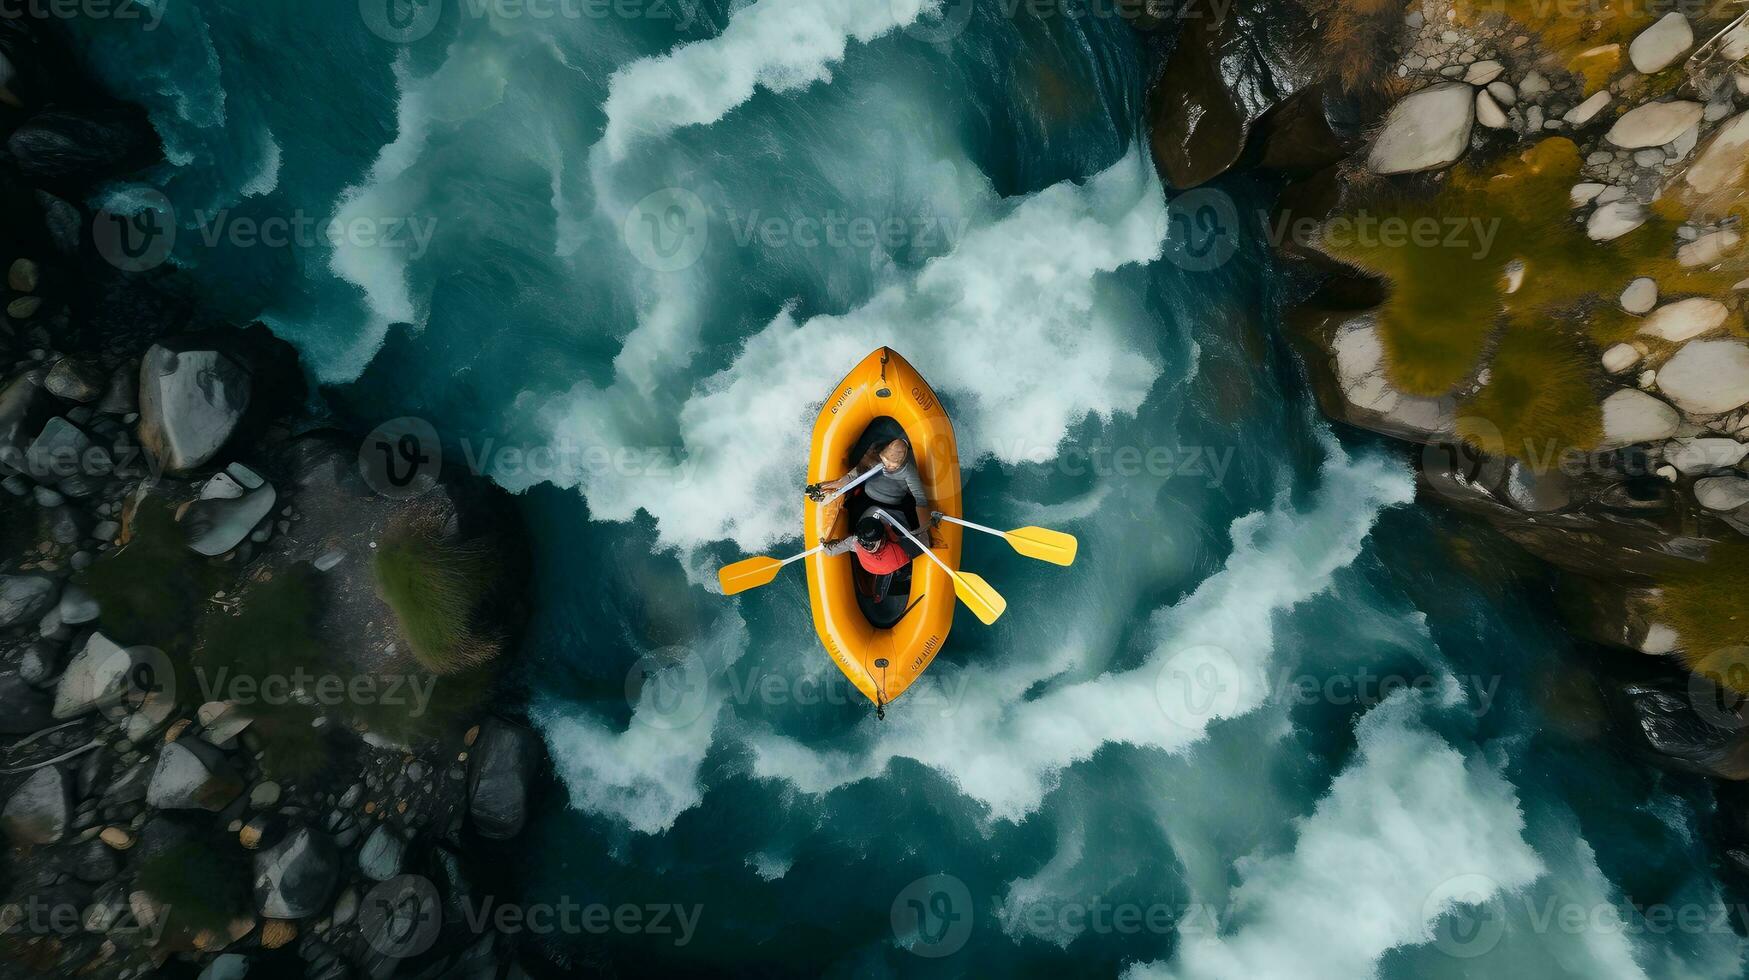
point(871, 531)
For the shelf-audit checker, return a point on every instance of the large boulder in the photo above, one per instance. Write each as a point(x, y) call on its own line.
point(24, 598)
point(1631, 416)
point(1721, 163)
point(215, 525)
point(98, 675)
point(40, 810)
point(295, 878)
point(1677, 731)
point(77, 147)
point(382, 854)
point(190, 404)
point(1233, 64)
point(1685, 319)
point(193, 775)
point(1427, 130)
point(1655, 124)
point(502, 770)
point(1707, 377)
point(1657, 47)
point(24, 408)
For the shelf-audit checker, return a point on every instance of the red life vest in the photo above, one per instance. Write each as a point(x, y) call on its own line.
point(884, 560)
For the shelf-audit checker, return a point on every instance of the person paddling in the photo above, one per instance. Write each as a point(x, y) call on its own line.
point(878, 549)
point(896, 484)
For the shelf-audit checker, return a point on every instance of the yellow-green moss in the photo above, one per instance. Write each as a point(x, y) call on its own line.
point(1704, 605)
point(1541, 397)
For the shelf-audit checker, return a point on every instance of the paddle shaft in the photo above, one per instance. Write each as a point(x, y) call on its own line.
point(814, 550)
point(852, 485)
point(975, 527)
point(883, 515)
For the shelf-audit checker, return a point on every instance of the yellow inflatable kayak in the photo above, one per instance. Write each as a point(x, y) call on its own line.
point(883, 644)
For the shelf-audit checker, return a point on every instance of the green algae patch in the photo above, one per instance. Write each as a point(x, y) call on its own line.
point(1703, 604)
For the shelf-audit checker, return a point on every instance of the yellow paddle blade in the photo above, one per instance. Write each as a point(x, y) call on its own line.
point(1056, 547)
point(749, 573)
point(984, 602)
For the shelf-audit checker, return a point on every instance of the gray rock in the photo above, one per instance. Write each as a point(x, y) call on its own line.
point(98, 675)
point(41, 810)
point(500, 772)
point(1707, 377)
point(295, 877)
point(382, 854)
point(226, 966)
point(190, 403)
point(193, 775)
point(76, 380)
point(24, 408)
point(1631, 416)
point(1427, 130)
point(1658, 46)
point(121, 397)
point(24, 597)
point(217, 524)
point(1722, 493)
point(1654, 124)
point(62, 451)
point(77, 606)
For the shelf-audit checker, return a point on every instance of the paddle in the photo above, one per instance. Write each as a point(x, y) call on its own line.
point(867, 474)
point(751, 573)
point(984, 602)
point(1041, 543)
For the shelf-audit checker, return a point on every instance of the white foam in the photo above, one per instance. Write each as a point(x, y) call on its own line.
point(266, 178)
point(1004, 746)
point(779, 45)
point(645, 774)
point(1012, 328)
point(1409, 817)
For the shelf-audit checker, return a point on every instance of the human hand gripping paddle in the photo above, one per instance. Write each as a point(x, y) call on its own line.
point(1041, 543)
point(984, 602)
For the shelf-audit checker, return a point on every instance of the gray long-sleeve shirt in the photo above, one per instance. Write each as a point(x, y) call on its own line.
point(891, 488)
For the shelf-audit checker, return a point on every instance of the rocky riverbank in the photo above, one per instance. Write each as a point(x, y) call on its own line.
point(251, 720)
point(1521, 226)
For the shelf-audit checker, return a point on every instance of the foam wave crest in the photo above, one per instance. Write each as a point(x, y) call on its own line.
point(1209, 662)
